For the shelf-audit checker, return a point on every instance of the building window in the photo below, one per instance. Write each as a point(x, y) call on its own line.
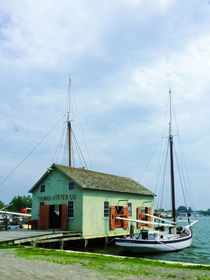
point(42, 188)
point(106, 209)
point(71, 185)
point(71, 209)
point(129, 209)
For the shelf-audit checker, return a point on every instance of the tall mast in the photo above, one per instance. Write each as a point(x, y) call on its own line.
point(172, 162)
point(69, 121)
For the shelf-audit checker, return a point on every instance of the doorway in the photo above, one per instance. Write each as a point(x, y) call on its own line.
point(55, 216)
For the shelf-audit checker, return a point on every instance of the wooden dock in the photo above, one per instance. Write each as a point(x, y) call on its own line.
point(36, 237)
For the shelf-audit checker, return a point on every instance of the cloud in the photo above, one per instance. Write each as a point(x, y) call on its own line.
point(45, 34)
point(123, 56)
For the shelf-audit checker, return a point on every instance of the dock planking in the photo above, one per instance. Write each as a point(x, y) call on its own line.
point(22, 236)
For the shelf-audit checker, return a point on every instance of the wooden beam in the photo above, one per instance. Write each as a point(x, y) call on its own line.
point(32, 239)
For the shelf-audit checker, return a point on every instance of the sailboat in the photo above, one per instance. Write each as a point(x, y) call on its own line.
point(166, 235)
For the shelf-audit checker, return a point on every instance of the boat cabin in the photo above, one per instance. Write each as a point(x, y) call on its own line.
point(76, 199)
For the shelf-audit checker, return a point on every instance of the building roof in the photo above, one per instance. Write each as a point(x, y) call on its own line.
point(99, 181)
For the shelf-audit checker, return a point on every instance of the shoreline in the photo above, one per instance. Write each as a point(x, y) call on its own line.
point(128, 257)
point(38, 263)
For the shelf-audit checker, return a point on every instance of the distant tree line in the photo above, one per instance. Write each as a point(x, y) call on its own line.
point(183, 209)
point(17, 203)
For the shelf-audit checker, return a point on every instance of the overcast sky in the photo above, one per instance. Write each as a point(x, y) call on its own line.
point(123, 56)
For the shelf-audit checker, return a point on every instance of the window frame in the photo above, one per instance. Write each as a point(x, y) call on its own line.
point(71, 209)
point(129, 209)
point(42, 188)
point(106, 209)
point(71, 186)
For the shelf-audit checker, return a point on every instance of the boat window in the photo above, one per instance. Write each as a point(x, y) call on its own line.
point(42, 188)
point(71, 209)
point(129, 209)
point(71, 185)
point(106, 209)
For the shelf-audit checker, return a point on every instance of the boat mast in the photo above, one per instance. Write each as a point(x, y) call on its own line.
point(69, 121)
point(172, 162)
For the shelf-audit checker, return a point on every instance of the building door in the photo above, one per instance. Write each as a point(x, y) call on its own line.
point(64, 217)
point(44, 217)
point(55, 216)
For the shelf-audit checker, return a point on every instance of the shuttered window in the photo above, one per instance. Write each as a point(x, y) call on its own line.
point(42, 188)
point(106, 209)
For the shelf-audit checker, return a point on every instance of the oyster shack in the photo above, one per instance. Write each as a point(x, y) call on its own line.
point(81, 200)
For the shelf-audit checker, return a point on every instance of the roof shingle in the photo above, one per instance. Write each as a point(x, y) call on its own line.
point(100, 181)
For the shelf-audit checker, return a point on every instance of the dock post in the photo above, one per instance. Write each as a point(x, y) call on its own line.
point(34, 244)
point(106, 241)
point(61, 244)
point(85, 243)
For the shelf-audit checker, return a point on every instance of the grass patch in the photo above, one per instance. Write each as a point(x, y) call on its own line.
point(7, 246)
point(122, 267)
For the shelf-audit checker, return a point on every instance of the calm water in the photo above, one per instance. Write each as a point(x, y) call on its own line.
point(199, 252)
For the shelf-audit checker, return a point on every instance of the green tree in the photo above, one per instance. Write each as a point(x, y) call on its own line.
point(1, 204)
point(182, 209)
point(19, 202)
point(208, 212)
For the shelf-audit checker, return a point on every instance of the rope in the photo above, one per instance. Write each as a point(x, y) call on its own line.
point(148, 163)
point(180, 177)
point(32, 150)
point(79, 150)
point(164, 174)
point(59, 146)
point(81, 128)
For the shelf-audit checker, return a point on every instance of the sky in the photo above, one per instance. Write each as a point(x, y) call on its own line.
point(123, 56)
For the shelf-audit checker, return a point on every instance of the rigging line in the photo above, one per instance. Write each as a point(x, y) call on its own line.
point(183, 160)
point(60, 143)
point(78, 152)
point(163, 151)
point(33, 149)
point(164, 174)
point(63, 144)
point(81, 127)
point(142, 174)
point(156, 149)
point(65, 148)
point(79, 149)
point(159, 174)
point(180, 177)
point(161, 164)
point(80, 162)
point(69, 96)
point(184, 166)
point(73, 157)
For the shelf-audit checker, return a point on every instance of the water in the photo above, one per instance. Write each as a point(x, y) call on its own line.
point(199, 252)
